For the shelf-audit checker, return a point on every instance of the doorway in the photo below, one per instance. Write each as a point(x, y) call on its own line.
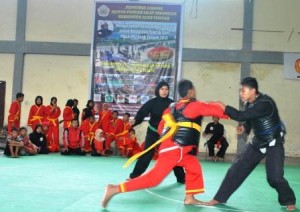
point(2, 102)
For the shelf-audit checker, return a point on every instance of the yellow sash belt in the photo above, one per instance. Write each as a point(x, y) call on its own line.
point(53, 121)
point(173, 125)
point(34, 118)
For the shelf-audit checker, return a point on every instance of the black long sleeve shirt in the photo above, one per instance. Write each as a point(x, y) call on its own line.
point(217, 130)
point(155, 108)
point(255, 110)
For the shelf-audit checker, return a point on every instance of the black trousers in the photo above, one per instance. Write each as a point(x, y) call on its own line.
point(211, 147)
point(71, 151)
point(144, 161)
point(244, 164)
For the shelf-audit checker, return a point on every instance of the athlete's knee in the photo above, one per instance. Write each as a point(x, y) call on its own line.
point(154, 179)
point(274, 182)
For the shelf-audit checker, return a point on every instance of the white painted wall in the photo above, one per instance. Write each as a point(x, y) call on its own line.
point(8, 18)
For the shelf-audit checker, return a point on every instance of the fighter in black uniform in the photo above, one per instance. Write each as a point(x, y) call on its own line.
point(260, 115)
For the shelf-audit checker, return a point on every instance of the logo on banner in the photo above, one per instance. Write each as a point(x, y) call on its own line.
point(297, 66)
point(103, 11)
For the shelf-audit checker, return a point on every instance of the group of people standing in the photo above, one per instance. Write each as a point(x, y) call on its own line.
point(91, 136)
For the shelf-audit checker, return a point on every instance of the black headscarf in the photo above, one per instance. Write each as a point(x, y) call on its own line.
point(70, 103)
point(39, 139)
point(159, 86)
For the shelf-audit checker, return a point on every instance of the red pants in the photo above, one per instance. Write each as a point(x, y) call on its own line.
point(53, 138)
point(87, 145)
point(109, 138)
point(170, 155)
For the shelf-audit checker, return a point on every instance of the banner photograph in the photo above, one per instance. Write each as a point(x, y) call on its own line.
point(135, 46)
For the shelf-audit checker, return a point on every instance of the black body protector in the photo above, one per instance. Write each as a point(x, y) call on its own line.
point(267, 128)
point(185, 136)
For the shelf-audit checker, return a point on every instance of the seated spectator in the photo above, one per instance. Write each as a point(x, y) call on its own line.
point(214, 132)
point(29, 148)
point(89, 127)
point(73, 140)
point(126, 144)
point(105, 116)
point(38, 138)
point(116, 126)
point(13, 146)
point(98, 144)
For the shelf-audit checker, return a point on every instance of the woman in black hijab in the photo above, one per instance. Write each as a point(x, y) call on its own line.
point(38, 138)
point(155, 108)
point(88, 111)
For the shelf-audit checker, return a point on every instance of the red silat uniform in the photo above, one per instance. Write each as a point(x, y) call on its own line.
point(115, 127)
point(172, 154)
point(14, 116)
point(68, 116)
point(127, 145)
point(37, 115)
point(123, 139)
point(104, 120)
point(73, 138)
point(53, 132)
point(88, 130)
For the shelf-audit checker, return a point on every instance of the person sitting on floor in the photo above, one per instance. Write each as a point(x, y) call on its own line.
point(214, 132)
point(98, 144)
point(38, 138)
point(73, 140)
point(13, 146)
point(126, 144)
point(29, 147)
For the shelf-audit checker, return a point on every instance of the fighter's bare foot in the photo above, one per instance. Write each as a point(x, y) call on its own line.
point(291, 207)
point(212, 202)
point(191, 200)
point(110, 191)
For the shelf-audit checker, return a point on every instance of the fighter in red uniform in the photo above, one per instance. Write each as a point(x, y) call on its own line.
point(181, 134)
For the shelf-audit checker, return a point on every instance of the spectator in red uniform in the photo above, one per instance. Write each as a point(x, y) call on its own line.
point(37, 113)
point(73, 140)
point(15, 113)
point(98, 144)
point(127, 144)
point(116, 126)
point(53, 112)
point(89, 127)
point(105, 116)
point(68, 114)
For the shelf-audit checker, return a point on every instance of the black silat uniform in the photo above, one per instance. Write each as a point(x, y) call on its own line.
point(217, 131)
point(262, 117)
point(155, 108)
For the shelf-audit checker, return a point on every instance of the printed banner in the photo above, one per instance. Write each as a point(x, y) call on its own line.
point(135, 46)
point(292, 66)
